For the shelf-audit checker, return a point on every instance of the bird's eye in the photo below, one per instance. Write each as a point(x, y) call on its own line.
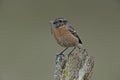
point(60, 20)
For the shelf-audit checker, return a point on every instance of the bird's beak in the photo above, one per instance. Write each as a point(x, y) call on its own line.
point(51, 22)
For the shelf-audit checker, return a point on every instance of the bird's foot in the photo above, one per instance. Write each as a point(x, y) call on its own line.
point(69, 54)
point(60, 54)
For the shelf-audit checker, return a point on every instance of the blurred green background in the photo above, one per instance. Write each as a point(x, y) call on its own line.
point(27, 49)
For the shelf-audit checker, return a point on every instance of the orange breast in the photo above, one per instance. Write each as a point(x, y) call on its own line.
point(64, 37)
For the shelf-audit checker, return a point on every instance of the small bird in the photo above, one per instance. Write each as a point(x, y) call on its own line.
point(65, 34)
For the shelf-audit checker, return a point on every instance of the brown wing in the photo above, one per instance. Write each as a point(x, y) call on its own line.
point(72, 30)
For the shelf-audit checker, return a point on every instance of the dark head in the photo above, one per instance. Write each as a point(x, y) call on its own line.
point(60, 22)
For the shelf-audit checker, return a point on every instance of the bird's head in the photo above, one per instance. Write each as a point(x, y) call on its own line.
point(59, 22)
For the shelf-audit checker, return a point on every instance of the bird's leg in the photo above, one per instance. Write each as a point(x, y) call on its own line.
point(61, 56)
point(71, 51)
point(61, 53)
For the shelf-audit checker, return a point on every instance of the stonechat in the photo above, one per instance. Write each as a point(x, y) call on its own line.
point(65, 34)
